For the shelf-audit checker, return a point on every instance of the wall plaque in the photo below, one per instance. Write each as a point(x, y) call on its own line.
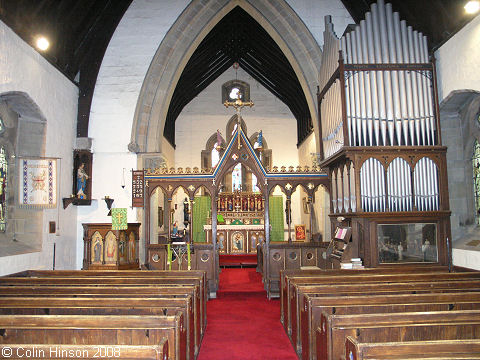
point(138, 183)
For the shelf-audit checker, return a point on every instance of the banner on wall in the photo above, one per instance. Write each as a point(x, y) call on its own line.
point(38, 182)
point(119, 219)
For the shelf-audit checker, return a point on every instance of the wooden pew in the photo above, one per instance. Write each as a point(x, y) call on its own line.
point(112, 306)
point(111, 281)
point(294, 302)
point(287, 275)
point(95, 330)
point(83, 352)
point(299, 316)
point(386, 327)
point(173, 291)
point(347, 305)
point(201, 275)
point(444, 349)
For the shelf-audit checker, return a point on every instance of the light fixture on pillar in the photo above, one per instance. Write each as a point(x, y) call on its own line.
point(472, 7)
point(109, 202)
point(123, 178)
point(42, 43)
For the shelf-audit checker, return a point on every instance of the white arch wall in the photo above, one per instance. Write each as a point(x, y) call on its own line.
point(121, 75)
point(206, 113)
point(132, 48)
point(23, 69)
point(458, 61)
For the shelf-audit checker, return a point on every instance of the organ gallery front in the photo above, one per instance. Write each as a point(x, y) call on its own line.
point(381, 141)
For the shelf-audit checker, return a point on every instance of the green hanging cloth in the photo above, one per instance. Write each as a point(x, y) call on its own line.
point(119, 219)
point(201, 211)
point(276, 217)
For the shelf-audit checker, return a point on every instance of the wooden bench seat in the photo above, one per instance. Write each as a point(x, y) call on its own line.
point(394, 327)
point(111, 281)
point(113, 306)
point(172, 291)
point(318, 305)
point(83, 352)
point(302, 313)
point(294, 302)
point(444, 349)
point(287, 275)
point(95, 330)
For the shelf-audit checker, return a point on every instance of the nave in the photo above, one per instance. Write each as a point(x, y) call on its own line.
point(242, 323)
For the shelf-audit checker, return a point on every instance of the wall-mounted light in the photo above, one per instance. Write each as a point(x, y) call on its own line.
point(42, 43)
point(123, 178)
point(472, 7)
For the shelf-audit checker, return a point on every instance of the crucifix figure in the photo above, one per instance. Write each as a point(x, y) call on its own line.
point(238, 104)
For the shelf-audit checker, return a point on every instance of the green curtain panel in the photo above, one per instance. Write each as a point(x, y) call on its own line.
point(276, 217)
point(201, 210)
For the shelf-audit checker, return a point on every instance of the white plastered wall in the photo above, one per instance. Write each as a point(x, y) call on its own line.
point(22, 69)
point(123, 70)
point(458, 61)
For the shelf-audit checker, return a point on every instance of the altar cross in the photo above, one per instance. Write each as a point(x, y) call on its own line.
point(238, 105)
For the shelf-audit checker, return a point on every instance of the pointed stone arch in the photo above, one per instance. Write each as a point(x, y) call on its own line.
point(275, 16)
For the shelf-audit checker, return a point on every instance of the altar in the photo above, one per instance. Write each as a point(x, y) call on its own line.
point(237, 239)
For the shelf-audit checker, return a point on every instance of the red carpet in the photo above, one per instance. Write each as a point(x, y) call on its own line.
point(238, 260)
point(242, 323)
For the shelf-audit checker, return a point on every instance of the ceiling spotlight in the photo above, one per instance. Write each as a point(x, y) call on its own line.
point(42, 43)
point(472, 7)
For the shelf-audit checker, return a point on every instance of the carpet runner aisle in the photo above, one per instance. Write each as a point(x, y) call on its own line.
point(242, 323)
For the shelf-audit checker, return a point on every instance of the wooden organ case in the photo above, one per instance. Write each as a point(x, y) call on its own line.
point(381, 143)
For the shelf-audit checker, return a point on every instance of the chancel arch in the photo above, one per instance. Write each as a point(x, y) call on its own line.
point(291, 35)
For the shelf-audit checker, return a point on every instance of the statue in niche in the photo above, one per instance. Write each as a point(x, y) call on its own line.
point(82, 178)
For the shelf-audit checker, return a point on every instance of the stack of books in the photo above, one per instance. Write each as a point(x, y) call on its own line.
point(355, 263)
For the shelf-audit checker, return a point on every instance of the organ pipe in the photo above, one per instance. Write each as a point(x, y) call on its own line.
point(381, 69)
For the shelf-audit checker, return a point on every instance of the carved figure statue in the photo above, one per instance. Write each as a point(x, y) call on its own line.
point(82, 178)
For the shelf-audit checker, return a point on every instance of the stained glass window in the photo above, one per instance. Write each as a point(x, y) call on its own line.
point(237, 177)
point(476, 179)
point(255, 188)
point(3, 189)
point(215, 156)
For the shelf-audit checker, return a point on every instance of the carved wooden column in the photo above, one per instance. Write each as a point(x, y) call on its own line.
point(288, 215)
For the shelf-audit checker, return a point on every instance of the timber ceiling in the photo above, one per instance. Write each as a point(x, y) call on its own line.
point(81, 29)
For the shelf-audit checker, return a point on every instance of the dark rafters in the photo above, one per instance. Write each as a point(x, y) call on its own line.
point(239, 38)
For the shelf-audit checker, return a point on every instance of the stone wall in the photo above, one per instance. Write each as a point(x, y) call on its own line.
point(46, 128)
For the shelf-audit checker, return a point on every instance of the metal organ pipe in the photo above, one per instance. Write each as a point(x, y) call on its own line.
point(387, 74)
point(392, 58)
point(408, 85)
point(401, 78)
point(383, 108)
point(370, 59)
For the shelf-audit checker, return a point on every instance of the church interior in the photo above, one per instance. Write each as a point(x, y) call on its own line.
point(243, 179)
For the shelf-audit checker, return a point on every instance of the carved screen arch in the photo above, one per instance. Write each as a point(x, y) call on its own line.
point(372, 186)
point(399, 185)
point(425, 182)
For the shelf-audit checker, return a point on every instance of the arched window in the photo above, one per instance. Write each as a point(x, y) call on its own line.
point(476, 179)
point(237, 177)
point(215, 156)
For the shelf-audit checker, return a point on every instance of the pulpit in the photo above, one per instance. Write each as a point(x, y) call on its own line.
point(107, 249)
